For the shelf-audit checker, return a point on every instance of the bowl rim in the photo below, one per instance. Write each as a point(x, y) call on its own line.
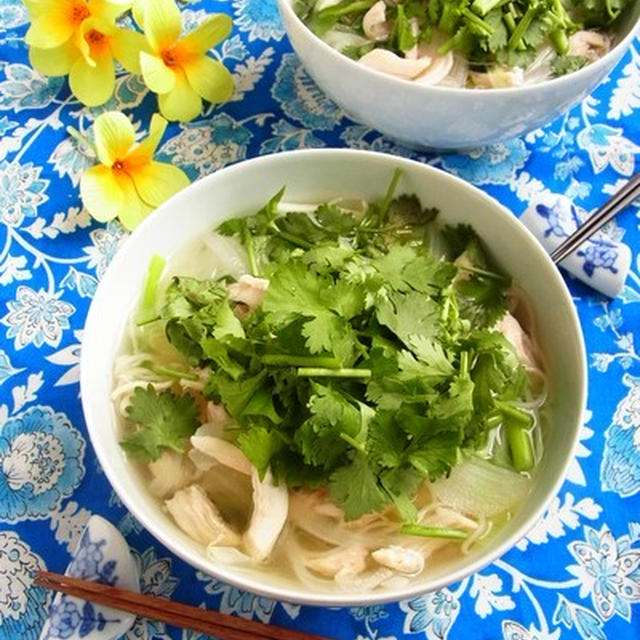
point(291, 594)
point(599, 65)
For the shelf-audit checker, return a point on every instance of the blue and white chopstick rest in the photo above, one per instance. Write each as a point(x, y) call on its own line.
point(600, 262)
point(104, 556)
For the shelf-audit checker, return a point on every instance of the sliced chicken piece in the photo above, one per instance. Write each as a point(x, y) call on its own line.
point(374, 22)
point(511, 329)
point(171, 472)
point(270, 508)
point(198, 517)
point(589, 44)
point(407, 561)
point(340, 563)
point(249, 290)
point(219, 450)
point(388, 62)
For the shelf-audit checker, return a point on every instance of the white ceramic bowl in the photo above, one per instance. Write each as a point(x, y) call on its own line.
point(439, 117)
point(314, 176)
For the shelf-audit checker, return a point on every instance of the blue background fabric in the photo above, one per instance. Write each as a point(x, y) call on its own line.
point(576, 576)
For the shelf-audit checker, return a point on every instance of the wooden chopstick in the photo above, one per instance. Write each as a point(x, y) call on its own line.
point(177, 614)
point(608, 210)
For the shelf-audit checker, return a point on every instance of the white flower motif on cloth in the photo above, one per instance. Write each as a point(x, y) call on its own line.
point(563, 515)
point(607, 146)
point(204, 147)
point(22, 606)
point(40, 463)
point(620, 469)
point(105, 243)
point(260, 18)
point(243, 603)
point(608, 570)
point(13, 14)
point(249, 72)
point(6, 368)
point(433, 613)
point(575, 474)
point(68, 524)
point(512, 630)
point(25, 88)
point(33, 458)
point(25, 394)
point(572, 615)
point(495, 164)
point(301, 99)
point(22, 192)
point(155, 579)
point(489, 594)
point(286, 137)
point(626, 96)
point(358, 136)
point(70, 160)
point(37, 318)
point(13, 269)
point(69, 357)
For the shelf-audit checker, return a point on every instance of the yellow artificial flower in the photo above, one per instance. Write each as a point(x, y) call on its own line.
point(54, 22)
point(128, 184)
point(87, 54)
point(178, 69)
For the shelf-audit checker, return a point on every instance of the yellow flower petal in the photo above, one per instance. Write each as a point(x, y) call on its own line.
point(126, 46)
point(52, 27)
point(209, 78)
point(114, 136)
point(182, 102)
point(93, 38)
point(156, 74)
point(93, 85)
point(134, 210)
point(54, 62)
point(138, 9)
point(156, 182)
point(162, 23)
point(101, 193)
point(143, 152)
point(108, 10)
point(213, 30)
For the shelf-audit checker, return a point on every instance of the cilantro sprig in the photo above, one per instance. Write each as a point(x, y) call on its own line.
point(370, 365)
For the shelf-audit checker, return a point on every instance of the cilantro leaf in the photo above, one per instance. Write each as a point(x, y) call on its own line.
point(355, 488)
point(436, 456)
point(164, 420)
point(562, 65)
point(260, 445)
point(409, 314)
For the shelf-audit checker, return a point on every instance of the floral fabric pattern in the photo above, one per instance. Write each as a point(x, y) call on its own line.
point(575, 576)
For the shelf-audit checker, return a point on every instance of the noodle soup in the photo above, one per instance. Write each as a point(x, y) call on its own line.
point(482, 44)
point(346, 393)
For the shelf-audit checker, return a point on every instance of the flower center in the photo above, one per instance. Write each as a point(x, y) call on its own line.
point(169, 58)
point(80, 12)
point(94, 37)
point(118, 165)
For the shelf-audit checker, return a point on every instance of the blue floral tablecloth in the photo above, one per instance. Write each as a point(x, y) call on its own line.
point(577, 574)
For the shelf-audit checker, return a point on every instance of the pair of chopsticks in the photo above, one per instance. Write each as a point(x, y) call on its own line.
point(608, 210)
point(211, 623)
